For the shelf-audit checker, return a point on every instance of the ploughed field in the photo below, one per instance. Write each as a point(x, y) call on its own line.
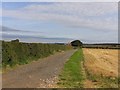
point(101, 67)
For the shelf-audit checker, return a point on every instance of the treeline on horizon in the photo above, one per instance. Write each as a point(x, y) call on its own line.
point(17, 53)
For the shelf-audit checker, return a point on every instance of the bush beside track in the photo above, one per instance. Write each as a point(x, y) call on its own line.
point(14, 53)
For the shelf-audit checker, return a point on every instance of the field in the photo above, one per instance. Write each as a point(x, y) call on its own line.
point(101, 67)
point(91, 68)
point(53, 65)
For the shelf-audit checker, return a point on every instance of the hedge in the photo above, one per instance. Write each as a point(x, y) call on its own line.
point(14, 53)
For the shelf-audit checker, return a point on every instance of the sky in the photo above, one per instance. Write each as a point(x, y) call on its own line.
point(53, 22)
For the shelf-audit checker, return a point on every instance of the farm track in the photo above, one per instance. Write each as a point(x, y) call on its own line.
point(39, 74)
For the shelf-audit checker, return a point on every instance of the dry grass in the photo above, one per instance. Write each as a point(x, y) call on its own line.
point(101, 62)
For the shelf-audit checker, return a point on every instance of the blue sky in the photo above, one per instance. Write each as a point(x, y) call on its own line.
point(60, 22)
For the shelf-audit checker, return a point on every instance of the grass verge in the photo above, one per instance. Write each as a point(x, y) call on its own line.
point(72, 76)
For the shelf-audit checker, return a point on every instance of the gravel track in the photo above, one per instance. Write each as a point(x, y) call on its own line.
point(38, 74)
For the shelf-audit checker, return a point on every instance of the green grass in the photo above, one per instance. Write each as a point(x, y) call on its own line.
point(72, 76)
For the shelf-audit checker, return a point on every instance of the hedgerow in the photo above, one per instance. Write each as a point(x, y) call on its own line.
point(14, 53)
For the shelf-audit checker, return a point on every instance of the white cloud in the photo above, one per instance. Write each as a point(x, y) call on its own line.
point(97, 16)
point(81, 8)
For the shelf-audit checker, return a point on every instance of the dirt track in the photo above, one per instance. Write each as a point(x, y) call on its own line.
point(39, 74)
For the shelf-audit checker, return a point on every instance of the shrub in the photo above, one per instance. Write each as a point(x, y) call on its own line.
point(21, 53)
